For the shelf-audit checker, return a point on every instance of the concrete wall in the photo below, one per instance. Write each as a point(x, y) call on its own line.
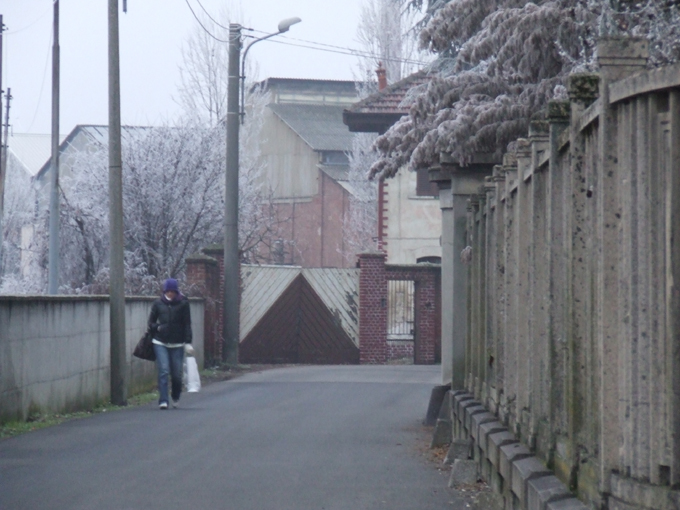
point(413, 224)
point(572, 353)
point(54, 352)
point(290, 164)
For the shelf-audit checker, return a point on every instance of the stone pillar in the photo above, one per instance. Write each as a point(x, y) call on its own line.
point(673, 318)
point(583, 91)
point(372, 308)
point(510, 264)
point(456, 184)
point(558, 116)
point(446, 205)
point(539, 289)
point(617, 58)
point(524, 224)
point(472, 338)
point(490, 297)
point(498, 291)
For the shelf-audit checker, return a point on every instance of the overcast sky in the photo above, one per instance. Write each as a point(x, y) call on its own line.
point(151, 37)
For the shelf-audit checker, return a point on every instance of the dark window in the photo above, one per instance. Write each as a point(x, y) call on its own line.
point(431, 260)
point(425, 188)
point(334, 158)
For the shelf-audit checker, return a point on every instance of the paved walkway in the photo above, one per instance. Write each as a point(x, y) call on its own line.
point(301, 438)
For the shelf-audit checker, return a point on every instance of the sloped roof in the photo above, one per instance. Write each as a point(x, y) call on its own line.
point(379, 111)
point(98, 134)
point(320, 126)
point(31, 150)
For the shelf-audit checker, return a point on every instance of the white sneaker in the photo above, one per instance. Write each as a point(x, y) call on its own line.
point(175, 404)
point(163, 406)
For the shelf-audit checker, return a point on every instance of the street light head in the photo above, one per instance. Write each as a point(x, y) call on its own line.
point(285, 25)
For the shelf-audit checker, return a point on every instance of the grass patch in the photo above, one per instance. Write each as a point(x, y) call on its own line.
point(37, 421)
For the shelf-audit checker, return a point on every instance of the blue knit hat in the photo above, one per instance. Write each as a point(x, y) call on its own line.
point(170, 285)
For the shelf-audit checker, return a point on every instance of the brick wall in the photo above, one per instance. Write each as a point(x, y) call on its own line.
point(427, 309)
point(313, 228)
point(400, 350)
point(372, 309)
point(205, 278)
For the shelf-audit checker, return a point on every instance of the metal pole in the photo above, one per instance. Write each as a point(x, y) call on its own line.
point(3, 150)
point(53, 260)
point(3, 169)
point(117, 267)
point(231, 248)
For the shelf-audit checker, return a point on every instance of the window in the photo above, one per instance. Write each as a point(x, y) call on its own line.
point(425, 188)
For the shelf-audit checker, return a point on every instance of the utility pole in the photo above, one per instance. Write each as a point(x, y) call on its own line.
point(53, 259)
point(3, 167)
point(232, 266)
point(117, 263)
point(3, 150)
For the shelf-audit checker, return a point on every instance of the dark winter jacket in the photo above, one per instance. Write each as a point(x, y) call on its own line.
point(170, 321)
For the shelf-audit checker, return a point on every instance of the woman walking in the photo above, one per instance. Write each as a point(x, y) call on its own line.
point(170, 323)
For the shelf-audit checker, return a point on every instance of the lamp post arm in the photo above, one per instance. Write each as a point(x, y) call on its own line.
point(243, 72)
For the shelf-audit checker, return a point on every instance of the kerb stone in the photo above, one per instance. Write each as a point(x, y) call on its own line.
point(524, 470)
point(544, 490)
point(479, 419)
point(463, 472)
point(495, 442)
point(442, 430)
point(485, 430)
point(459, 450)
point(469, 412)
point(566, 504)
point(509, 454)
point(458, 399)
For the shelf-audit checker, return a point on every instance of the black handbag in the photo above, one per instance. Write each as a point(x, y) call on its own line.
point(144, 349)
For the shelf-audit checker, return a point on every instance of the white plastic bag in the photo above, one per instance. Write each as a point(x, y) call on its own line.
point(191, 377)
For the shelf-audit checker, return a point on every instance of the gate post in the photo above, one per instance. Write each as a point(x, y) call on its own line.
point(426, 316)
point(372, 308)
point(203, 281)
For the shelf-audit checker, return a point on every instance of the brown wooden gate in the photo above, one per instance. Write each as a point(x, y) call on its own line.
point(290, 315)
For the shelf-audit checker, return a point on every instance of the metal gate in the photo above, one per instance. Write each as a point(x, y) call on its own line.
point(400, 310)
point(295, 315)
point(401, 321)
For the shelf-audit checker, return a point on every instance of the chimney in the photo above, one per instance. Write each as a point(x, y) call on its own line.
point(382, 76)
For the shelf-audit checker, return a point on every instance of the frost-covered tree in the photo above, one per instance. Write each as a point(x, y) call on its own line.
point(386, 32)
point(203, 74)
point(500, 61)
point(17, 260)
point(360, 223)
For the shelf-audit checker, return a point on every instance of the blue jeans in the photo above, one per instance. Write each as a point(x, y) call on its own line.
point(169, 361)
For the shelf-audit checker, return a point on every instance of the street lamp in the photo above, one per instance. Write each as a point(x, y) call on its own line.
point(284, 26)
point(230, 326)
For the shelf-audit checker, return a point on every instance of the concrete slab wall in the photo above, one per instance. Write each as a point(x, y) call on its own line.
point(54, 352)
point(573, 319)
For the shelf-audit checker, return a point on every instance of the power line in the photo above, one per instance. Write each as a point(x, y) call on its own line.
point(318, 46)
point(352, 52)
point(343, 50)
point(202, 26)
point(209, 16)
point(30, 24)
point(42, 84)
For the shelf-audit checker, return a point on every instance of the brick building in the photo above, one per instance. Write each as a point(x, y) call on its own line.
point(305, 147)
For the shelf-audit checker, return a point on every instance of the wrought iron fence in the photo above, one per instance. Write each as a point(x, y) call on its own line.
point(400, 310)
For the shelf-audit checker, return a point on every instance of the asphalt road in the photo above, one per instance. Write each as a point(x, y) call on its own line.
point(302, 438)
